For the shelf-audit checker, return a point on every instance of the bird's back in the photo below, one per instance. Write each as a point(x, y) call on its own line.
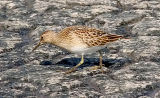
point(90, 36)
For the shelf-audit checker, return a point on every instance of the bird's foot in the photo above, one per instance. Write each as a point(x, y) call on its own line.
point(67, 72)
point(70, 70)
point(97, 67)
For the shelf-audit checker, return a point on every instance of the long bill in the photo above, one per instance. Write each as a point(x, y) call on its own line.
point(36, 46)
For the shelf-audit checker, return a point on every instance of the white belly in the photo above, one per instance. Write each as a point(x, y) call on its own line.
point(84, 50)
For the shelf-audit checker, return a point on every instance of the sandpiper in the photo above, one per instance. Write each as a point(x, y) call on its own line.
point(80, 40)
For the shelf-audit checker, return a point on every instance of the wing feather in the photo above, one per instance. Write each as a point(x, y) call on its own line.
point(91, 36)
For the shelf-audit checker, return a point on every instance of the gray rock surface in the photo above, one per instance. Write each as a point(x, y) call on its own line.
point(134, 63)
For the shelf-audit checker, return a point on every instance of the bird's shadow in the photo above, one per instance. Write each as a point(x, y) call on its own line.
point(71, 62)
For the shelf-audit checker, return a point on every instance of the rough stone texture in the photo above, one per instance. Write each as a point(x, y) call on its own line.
point(134, 63)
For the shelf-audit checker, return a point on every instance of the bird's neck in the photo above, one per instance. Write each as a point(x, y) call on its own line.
point(61, 41)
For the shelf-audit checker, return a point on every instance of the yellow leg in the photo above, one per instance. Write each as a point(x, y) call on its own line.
point(74, 68)
point(100, 63)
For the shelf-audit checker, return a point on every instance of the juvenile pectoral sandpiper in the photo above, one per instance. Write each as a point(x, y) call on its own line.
point(80, 40)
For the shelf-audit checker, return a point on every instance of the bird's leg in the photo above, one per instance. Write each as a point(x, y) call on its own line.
point(100, 63)
point(74, 68)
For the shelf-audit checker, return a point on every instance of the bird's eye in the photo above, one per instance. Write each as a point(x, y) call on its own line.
point(41, 38)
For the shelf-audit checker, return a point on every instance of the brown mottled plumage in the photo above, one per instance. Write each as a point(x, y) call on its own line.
point(80, 40)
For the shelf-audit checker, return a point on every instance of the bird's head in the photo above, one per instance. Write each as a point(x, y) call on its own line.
point(46, 37)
